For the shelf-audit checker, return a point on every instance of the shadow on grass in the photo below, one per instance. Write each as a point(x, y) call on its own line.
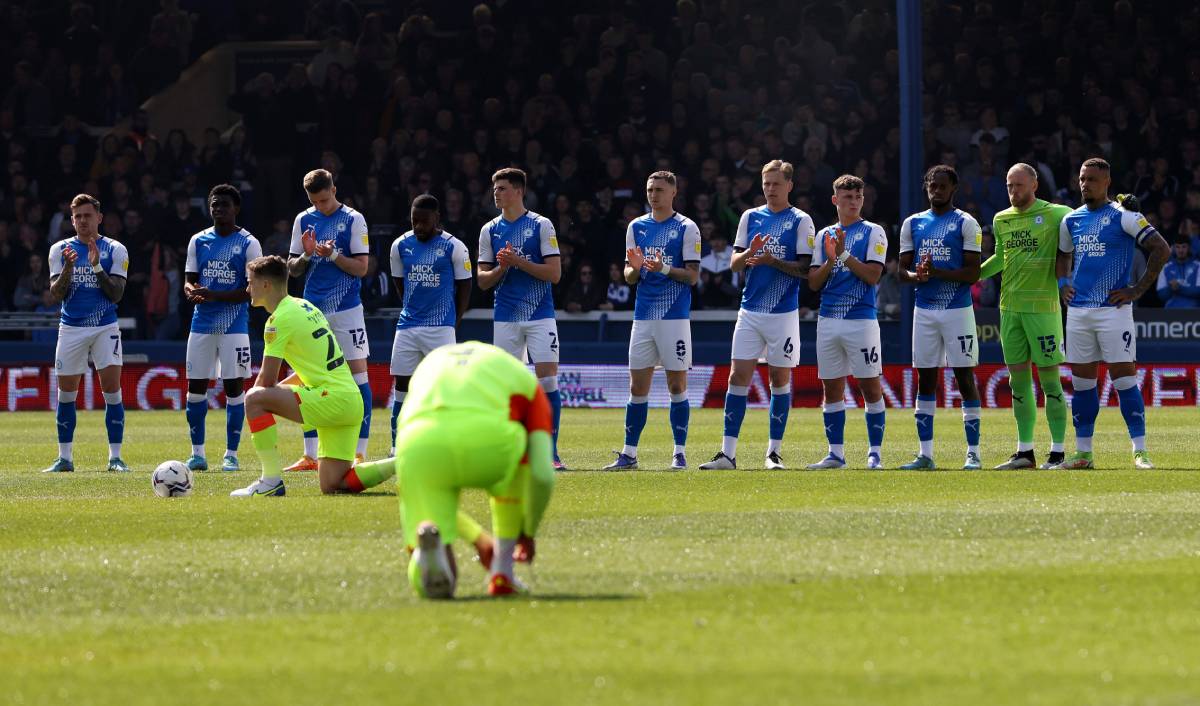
point(553, 598)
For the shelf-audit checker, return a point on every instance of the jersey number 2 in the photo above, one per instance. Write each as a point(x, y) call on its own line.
point(331, 363)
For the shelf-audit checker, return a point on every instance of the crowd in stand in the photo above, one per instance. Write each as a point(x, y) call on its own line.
point(588, 98)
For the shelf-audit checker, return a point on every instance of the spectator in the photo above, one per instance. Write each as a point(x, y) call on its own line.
point(1179, 281)
point(376, 290)
point(718, 289)
point(887, 293)
point(619, 295)
point(32, 283)
point(585, 293)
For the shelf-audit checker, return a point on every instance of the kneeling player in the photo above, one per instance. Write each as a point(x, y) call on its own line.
point(475, 417)
point(320, 395)
point(845, 268)
point(948, 242)
point(1103, 238)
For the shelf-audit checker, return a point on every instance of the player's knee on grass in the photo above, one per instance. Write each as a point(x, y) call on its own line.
point(331, 475)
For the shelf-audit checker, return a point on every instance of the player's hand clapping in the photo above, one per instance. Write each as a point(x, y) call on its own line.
point(835, 243)
point(925, 268)
point(323, 248)
point(635, 258)
point(759, 255)
point(508, 257)
point(93, 253)
point(308, 239)
point(69, 257)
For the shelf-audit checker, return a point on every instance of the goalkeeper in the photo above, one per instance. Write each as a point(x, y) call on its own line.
point(1031, 329)
point(474, 417)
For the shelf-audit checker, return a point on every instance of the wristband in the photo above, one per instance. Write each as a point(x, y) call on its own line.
point(1063, 281)
point(97, 268)
point(305, 256)
point(843, 257)
point(333, 256)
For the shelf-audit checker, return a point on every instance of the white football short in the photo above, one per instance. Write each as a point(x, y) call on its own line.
point(411, 345)
point(539, 338)
point(778, 335)
point(848, 347)
point(1105, 333)
point(350, 329)
point(218, 356)
point(77, 345)
point(665, 342)
point(942, 337)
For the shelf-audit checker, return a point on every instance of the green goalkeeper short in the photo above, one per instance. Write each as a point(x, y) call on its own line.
point(1031, 337)
point(439, 454)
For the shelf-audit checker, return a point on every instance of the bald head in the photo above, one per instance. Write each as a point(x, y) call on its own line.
point(1022, 184)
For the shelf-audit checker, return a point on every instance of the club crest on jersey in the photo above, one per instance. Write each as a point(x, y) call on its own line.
point(1105, 221)
point(528, 233)
point(787, 225)
point(237, 249)
point(1039, 220)
point(952, 227)
point(341, 228)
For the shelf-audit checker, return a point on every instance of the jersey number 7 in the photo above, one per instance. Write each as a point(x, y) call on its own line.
point(331, 363)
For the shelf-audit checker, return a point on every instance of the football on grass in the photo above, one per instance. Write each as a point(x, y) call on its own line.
point(172, 479)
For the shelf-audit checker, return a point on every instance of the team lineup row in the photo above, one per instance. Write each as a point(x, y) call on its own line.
point(1047, 253)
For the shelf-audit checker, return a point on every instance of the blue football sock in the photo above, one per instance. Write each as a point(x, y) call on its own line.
point(65, 416)
point(781, 405)
point(876, 423)
point(636, 411)
point(114, 417)
point(970, 411)
point(1133, 409)
point(550, 387)
point(396, 405)
point(835, 427)
point(197, 412)
point(364, 389)
point(235, 416)
point(1085, 407)
point(735, 410)
point(681, 412)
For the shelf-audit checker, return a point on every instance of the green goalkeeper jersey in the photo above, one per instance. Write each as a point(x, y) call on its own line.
point(298, 333)
point(1026, 247)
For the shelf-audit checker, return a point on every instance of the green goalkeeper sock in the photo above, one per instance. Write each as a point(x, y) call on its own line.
point(468, 529)
point(1056, 405)
point(1024, 405)
point(372, 473)
point(263, 433)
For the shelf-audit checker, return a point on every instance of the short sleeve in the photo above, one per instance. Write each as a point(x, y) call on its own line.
point(906, 241)
point(397, 261)
point(275, 337)
point(548, 239)
point(691, 242)
point(192, 265)
point(805, 235)
point(818, 251)
point(630, 240)
point(460, 258)
point(877, 245)
point(1136, 226)
point(486, 256)
point(55, 258)
point(742, 239)
point(296, 248)
point(972, 235)
point(360, 243)
point(253, 248)
point(120, 261)
point(1065, 243)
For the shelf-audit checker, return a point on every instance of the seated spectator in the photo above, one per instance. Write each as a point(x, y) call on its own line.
point(1179, 281)
point(718, 286)
point(46, 305)
point(619, 296)
point(585, 293)
point(376, 291)
point(887, 293)
point(31, 284)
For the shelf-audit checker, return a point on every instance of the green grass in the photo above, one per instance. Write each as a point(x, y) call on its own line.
point(667, 588)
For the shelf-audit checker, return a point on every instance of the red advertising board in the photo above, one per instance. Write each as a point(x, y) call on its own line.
point(150, 386)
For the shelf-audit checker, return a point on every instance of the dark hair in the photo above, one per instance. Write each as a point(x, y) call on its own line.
point(318, 180)
point(848, 182)
point(939, 169)
point(426, 201)
point(666, 176)
point(512, 175)
point(83, 199)
point(1096, 162)
point(271, 267)
point(226, 190)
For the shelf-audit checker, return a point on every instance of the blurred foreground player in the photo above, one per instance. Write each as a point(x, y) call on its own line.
point(475, 417)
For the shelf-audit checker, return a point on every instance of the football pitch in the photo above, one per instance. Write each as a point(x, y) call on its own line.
point(832, 587)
